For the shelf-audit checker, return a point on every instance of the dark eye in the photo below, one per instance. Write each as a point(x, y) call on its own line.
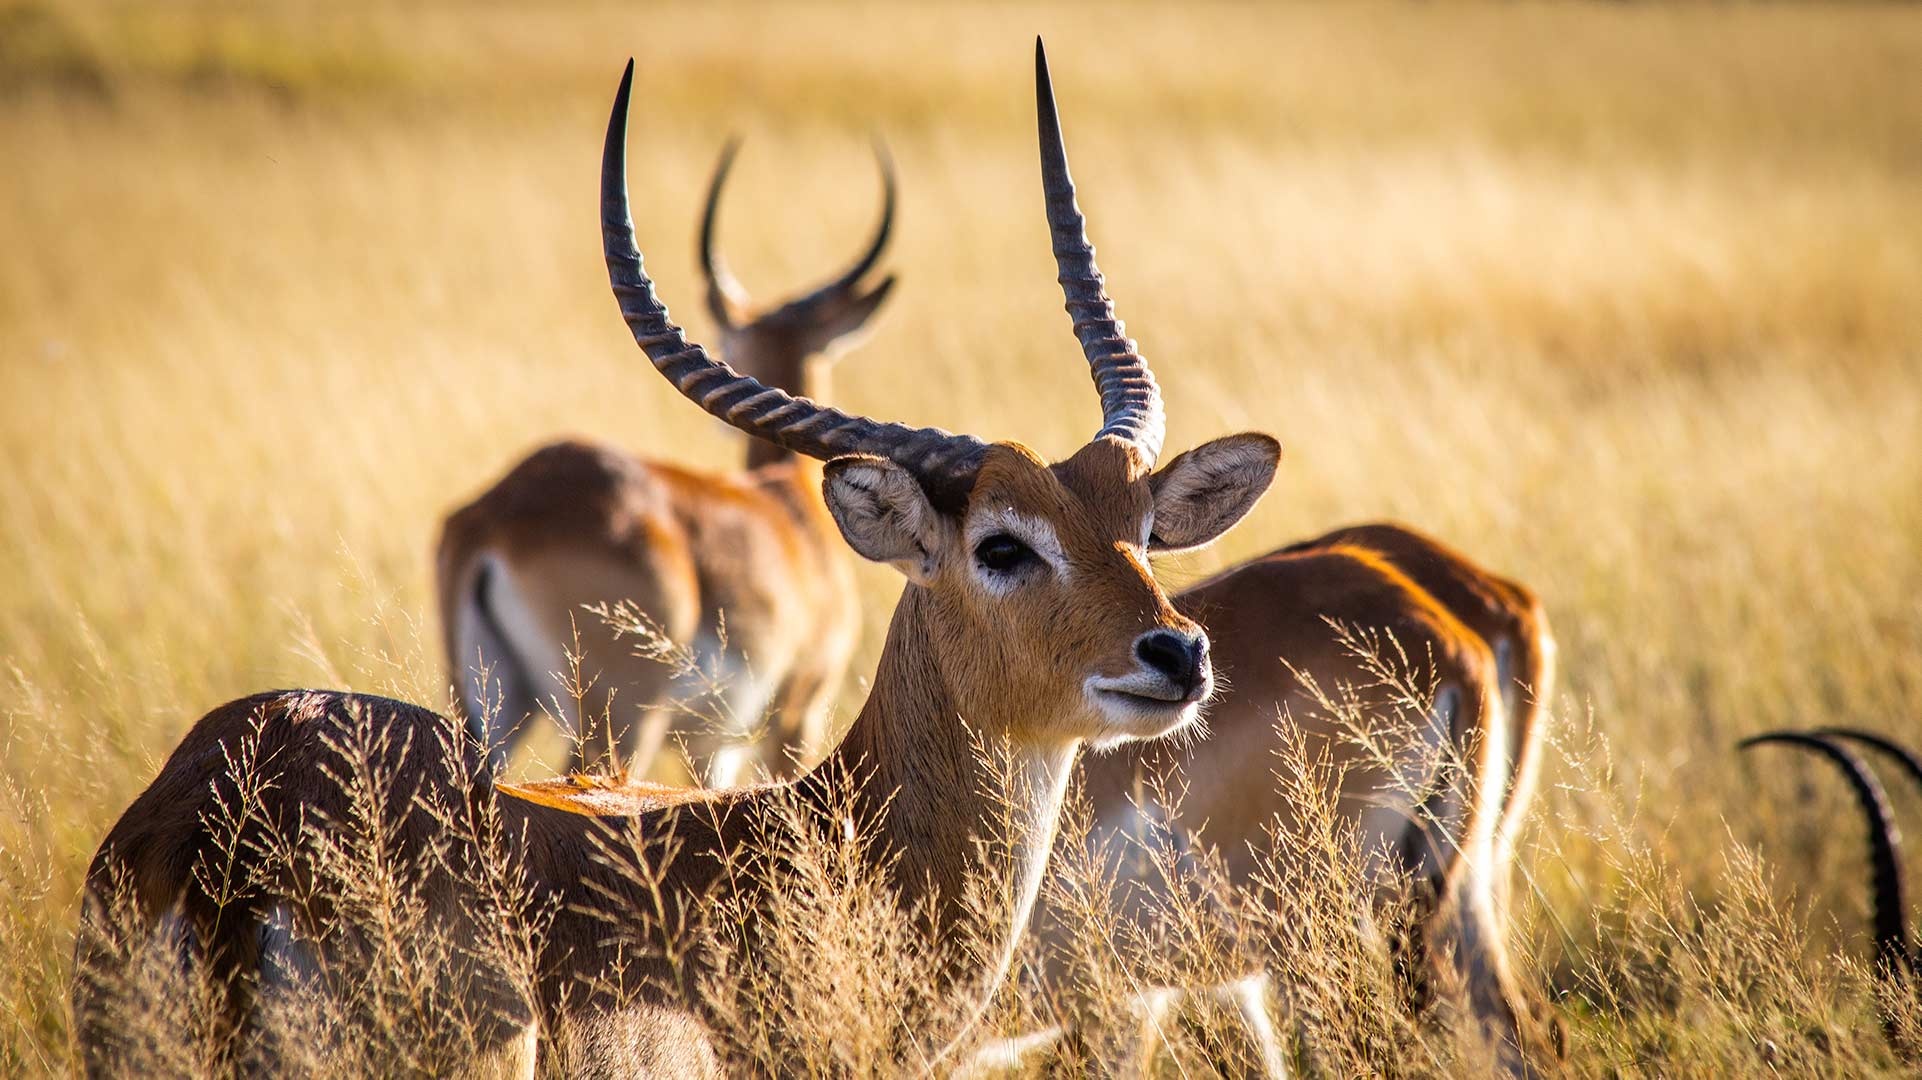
point(1002, 553)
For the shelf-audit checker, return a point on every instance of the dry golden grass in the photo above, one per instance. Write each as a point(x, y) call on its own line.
point(1624, 301)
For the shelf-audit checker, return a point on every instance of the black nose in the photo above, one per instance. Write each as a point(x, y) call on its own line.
point(1180, 657)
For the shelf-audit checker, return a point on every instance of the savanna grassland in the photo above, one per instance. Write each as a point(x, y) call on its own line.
point(1625, 301)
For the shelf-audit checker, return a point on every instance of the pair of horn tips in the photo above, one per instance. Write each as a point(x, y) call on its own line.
point(1044, 89)
point(1042, 79)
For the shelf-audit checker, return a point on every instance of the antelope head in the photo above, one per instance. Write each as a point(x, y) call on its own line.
point(779, 345)
point(1031, 604)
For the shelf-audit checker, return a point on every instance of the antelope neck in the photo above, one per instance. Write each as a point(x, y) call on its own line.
point(931, 799)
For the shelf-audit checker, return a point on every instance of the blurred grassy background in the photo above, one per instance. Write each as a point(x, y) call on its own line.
point(1626, 301)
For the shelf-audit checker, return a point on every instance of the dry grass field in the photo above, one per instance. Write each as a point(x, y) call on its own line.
point(1625, 301)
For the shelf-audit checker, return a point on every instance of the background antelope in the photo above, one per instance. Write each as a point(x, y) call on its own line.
point(1031, 620)
point(741, 574)
point(1509, 618)
point(1364, 671)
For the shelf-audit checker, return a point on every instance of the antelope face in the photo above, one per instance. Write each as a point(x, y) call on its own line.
point(1041, 614)
point(1041, 601)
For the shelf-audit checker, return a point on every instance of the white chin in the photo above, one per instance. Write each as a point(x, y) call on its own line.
point(1127, 718)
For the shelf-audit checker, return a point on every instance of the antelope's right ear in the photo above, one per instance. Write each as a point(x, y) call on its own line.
point(886, 516)
point(1204, 491)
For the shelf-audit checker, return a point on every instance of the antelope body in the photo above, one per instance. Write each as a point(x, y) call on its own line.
point(743, 572)
point(1509, 618)
point(1031, 620)
point(1435, 798)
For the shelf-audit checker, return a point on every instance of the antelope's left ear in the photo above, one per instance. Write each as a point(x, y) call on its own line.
point(841, 325)
point(1203, 492)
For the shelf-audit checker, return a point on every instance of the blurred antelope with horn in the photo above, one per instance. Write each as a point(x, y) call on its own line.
point(743, 572)
point(1031, 621)
point(1895, 955)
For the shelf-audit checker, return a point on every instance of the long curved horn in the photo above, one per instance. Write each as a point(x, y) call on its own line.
point(944, 463)
point(1906, 759)
point(882, 232)
point(1130, 400)
point(725, 294)
point(1885, 843)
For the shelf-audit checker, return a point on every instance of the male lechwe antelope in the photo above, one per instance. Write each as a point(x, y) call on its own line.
point(1443, 804)
point(743, 572)
point(1031, 622)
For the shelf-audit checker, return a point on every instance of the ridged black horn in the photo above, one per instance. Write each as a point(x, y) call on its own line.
point(725, 295)
point(944, 463)
point(1130, 399)
point(1885, 843)
point(724, 292)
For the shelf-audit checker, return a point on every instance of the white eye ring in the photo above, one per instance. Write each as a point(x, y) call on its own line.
point(1034, 534)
